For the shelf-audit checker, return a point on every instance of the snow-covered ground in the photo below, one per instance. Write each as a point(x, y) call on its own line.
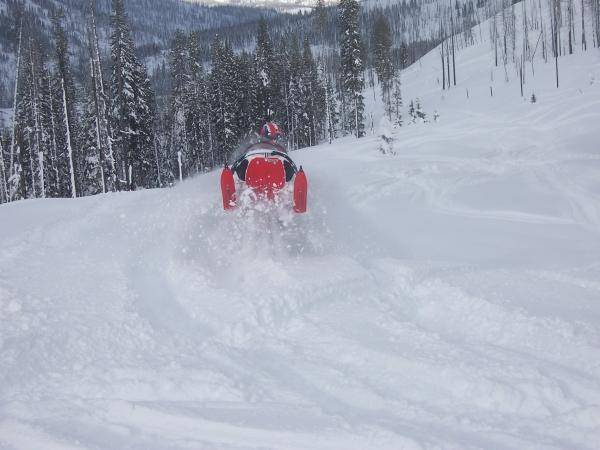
point(445, 297)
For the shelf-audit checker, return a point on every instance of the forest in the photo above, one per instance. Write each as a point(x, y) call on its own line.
point(95, 111)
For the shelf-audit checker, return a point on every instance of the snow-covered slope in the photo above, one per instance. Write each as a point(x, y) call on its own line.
point(446, 297)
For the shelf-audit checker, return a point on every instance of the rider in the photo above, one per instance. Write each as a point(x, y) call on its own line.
point(270, 131)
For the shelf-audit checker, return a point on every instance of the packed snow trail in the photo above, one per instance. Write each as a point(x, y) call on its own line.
point(447, 297)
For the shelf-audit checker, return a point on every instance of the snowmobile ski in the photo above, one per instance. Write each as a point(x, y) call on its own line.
point(300, 191)
point(228, 188)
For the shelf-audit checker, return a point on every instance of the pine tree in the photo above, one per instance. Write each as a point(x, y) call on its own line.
point(247, 81)
point(331, 112)
point(196, 106)
point(216, 98)
point(32, 118)
point(396, 100)
point(297, 130)
point(66, 87)
point(14, 171)
point(101, 104)
point(403, 55)
point(419, 113)
point(3, 182)
point(145, 163)
point(411, 112)
point(56, 185)
point(264, 65)
point(281, 74)
point(92, 175)
point(382, 60)
point(320, 18)
point(314, 106)
point(224, 99)
point(179, 90)
point(386, 137)
point(132, 107)
point(231, 101)
point(352, 65)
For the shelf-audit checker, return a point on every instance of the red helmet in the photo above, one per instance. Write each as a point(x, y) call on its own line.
point(270, 131)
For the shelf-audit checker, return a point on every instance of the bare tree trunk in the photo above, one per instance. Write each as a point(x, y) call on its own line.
point(14, 119)
point(452, 37)
point(554, 24)
point(571, 27)
point(97, 119)
point(448, 62)
point(180, 165)
point(356, 115)
point(583, 41)
point(38, 129)
point(526, 48)
point(443, 67)
point(3, 189)
point(41, 173)
point(33, 153)
point(328, 112)
point(54, 146)
point(157, 163)
point(521, 80)
point(103, 100)
point(69, 143)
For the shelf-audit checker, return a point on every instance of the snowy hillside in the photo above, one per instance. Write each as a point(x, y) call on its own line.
point(444, 297)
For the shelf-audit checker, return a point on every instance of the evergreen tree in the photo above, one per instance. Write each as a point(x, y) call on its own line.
point(14, 167)
point(419, 113)
point(132, 107)
point(145, 164)
point(232, 100)
point(314, 106)
point(264, 66)
point(280, 85)
point(216, 98)
point(320, 18)
point(403, 55)
point(33, 117)
point(224, 99)
point(65, 87)
point(56, 184)
point(296, 96)
point(382, 60)
point(352, 65)
point(331, 112)
point(180, 80)
point(92, 176)
point(247, 81)
point(103, 129)
point(196, 107)
point(396, 100)
point(386, 137)
point(3, 181)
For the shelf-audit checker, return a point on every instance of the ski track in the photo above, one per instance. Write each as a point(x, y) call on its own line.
point(443, 298)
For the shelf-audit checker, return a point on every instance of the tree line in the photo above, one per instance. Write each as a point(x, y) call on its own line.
point(71, 139)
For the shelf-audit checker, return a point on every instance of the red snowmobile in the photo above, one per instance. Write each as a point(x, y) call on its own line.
point(266, 168)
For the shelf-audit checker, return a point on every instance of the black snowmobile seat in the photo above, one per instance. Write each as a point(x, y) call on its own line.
point(241, 165)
